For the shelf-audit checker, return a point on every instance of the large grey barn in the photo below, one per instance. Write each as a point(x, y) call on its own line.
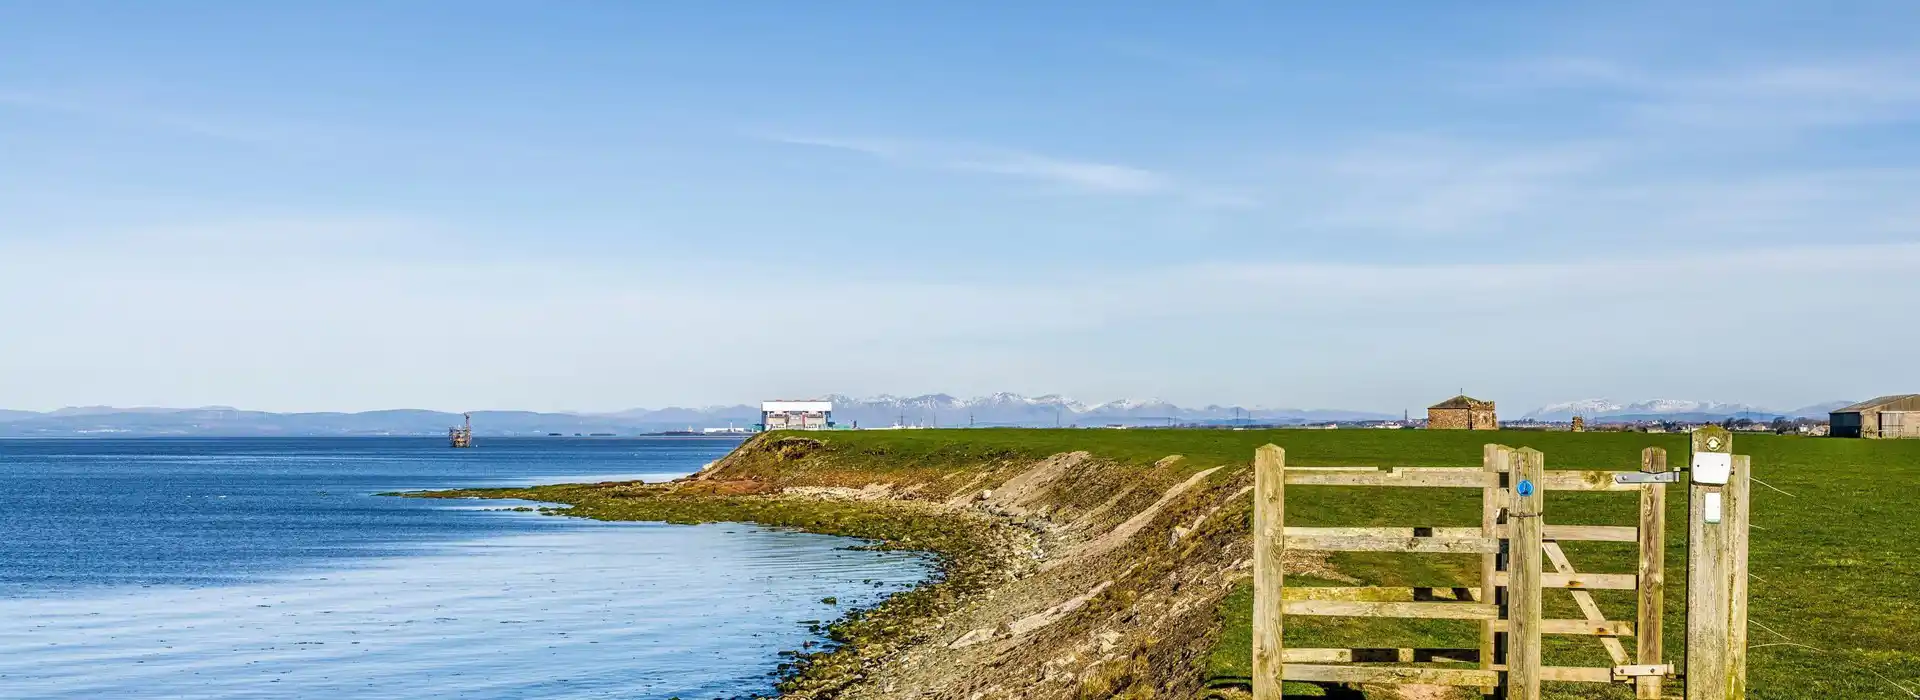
point(1896, 416)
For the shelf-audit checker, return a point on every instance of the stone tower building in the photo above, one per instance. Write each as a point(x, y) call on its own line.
point(1462, 413)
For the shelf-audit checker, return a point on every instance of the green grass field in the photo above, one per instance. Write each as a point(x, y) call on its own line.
point(1835, 599)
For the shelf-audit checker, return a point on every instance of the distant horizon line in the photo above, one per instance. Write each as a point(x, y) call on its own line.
point(1055, 399)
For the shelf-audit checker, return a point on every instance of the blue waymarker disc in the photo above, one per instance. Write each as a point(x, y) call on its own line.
point(1525, 488)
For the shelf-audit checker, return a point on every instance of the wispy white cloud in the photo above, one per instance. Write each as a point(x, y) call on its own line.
point(313, 241)
point(1809, 274)
point(1427, 186)
point(1638, 179)
point(141, 114)
point(1077, 174)
point(1087, 175)
point(1684, 157)
point(877, 148)
point(1784, 94)
point(1618, 183)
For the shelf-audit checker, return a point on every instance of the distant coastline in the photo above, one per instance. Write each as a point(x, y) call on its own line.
point(1001, 410)
point(227, 422)
point(933, 410)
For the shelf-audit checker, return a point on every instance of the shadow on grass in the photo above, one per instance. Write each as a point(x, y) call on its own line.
point(1331, 692)
point(1242, 689)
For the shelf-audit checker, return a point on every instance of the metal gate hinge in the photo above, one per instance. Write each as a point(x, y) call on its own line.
point(1637, 671)
point(1647, 477)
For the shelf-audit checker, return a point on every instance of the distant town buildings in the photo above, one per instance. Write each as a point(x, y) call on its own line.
point(1462, 413)
point(1896, 416)
point(796, 415)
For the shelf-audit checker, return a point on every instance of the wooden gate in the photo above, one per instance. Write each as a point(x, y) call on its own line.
point(1516, 546)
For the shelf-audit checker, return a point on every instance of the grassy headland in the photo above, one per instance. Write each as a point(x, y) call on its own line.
point(1095, 563)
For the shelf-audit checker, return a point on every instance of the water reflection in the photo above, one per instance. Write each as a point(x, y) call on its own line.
point(624, 610)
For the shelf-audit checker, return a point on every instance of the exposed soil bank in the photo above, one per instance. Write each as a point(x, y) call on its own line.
point(1063, 576)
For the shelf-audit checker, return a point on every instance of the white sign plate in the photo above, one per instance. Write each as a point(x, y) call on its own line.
point(1712, 467)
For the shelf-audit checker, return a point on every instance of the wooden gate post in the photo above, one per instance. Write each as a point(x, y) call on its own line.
point(1738, 509)
point(1269, 549)
point(1716, 569)
point(1493, 459)
point(1653, 573)
point(1524, 569)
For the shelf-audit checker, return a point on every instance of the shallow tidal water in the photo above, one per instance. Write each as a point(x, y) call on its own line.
point(268, 568)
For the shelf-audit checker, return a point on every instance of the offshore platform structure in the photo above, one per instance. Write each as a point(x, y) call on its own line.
point(462, 435)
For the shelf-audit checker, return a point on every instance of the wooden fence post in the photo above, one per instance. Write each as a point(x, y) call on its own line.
point(1524, 568)
point(1653, 573)
point(1493, 458)
point(1709, 560)
point(1739, 507)
point(1269, 549)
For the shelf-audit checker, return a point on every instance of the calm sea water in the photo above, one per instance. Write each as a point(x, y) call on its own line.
point(269, 568)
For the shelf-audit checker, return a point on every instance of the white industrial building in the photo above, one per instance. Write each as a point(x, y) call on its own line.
point(796, 415)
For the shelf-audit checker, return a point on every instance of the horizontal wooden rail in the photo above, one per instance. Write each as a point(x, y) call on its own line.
point(1379, 594)
point(1315, 673)
point(1592, 582)
point(1603, 628)
point(1454, 478)
point(1441, 532)
point(1450, 477)
point(1381, 655)
point(1576, 480)
point(1342, 469)
point(1595, 582)
point(1563, 533)
point(1417, 610)
point(1590, 628)
point(1503, 468)
point(1576, 674)
point(1591, 533)
point(1590, 674)
point(1411, 545)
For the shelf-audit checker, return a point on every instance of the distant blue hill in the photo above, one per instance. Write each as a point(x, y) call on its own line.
point(928, 410)
point(229, 422)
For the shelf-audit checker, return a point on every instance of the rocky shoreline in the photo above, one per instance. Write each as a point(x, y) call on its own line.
point(1065, 576)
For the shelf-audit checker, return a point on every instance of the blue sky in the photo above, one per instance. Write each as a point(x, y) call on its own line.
point(593, 206)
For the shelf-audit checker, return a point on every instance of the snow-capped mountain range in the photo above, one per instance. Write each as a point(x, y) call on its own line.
point(1016, 410)
point(1672, 409)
